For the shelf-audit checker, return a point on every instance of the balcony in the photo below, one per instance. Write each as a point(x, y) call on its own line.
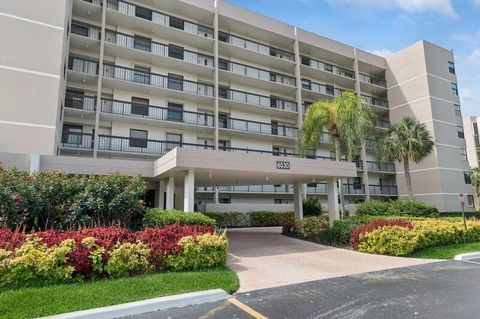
point(174, 87)
point(327, 72)
point(364, 78)
point(148, 51)
point(313, 89)
point(376, 102)
point(151, 112)
point(151, 21)
point(385, 190)
point(257, 77)
point(269, 129)
point(82, 70)
point(383, 124)
point(85, 36)
point(244, 98)
point(372, 85)
point(77, 141)
point(80, 101)
point(90, 9)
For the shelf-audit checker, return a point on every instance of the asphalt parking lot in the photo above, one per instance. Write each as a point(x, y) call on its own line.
point(447, 289)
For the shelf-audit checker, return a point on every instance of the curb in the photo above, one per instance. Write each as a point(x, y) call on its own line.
point(144, 306)
point(467, 256)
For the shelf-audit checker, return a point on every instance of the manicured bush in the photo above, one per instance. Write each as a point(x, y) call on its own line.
point(312, 226)
point(404, 207)
point(128, 259)
point(265, 219)
point(375, 224)
point(230, 219)
point(388, 240)
point(374, 208)
point(251, 219)
point(312, 206)
point(196, 252)
point(61, 201)
point(339, 233)
point(156, 217)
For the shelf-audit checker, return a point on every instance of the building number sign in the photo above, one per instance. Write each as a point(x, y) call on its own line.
point(283, 165)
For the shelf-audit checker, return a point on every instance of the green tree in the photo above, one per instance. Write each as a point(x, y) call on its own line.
point(348, 119)
point(475, 179)
point(407, 140)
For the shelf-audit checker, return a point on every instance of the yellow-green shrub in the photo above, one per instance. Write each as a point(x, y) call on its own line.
point(312, 226)
point(208, 250)
point(35, 261)
point(128, 259)
point(437, 232)
point(388, 240)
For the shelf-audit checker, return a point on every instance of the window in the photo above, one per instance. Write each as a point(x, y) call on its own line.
point(306, 84)
point(223, 120)
point(138, 138)
point(330, 89)
point(273, 77)
point(460, 132)
point(173, 140)
point(454, 88)
point(175, 112)
point(222, 36)
point(281, 201)
point(175, 82)
point(357, 183)
point(177, 23)
point(143, 13)
point(175, 51)
point(80, 29)
point(72, 134)
point(463, 153)
point(223, 92)
point(475, 128)
point(223, 64)
point(222, 145)
point(328, 67)
point(274, 128)
point(451, 67)
point(142, 43)
point(305, 60)
point(276, 151)
point(225, 200)
point(466, 177)
point(141, 75)
point(470, 201)
point(458, 111)
point(74, 99)
point(139, 106)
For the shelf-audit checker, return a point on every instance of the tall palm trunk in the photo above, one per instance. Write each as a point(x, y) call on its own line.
point(338, 158)
point(406, 168)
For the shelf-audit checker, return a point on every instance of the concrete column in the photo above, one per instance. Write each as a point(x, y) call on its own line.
point(161, 191)
point(215, 76)
point(332, 194)
point(298, 200)
point(189, 191)
point(34, 163)
point(170, 204)
point(216, 195)
point(100, 79)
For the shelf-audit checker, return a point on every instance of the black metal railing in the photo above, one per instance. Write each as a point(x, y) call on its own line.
point(254, 72)
point(83, 65)
point(155, 112)
point(371, 80)
point(80, 101)
point(85, 29)
point(256, 99)
point(327, 67)
point(257, 127)
point(77, 140)
point(388, 190)
point(380, 167)
point(375, 101)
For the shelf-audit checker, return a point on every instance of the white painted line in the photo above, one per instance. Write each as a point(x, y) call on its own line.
point(11, 68)
point(28, 124)
point(149, 305)
point(31, 21)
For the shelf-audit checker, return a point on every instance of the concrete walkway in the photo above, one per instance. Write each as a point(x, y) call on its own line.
point(263, 258)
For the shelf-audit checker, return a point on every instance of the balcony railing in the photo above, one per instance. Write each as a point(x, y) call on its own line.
point(157, 48)
point(383, 123)
point(160, 18)
point(375, 101)
point(157, 80)
point(83, 65)
point(324, 89)
point(143, 146)
point(326, 67)
point(255, 46)
point(77, 140)
point(80, 101)
point(258, 127)
point(371, 80)
point(388, 190)
point(257, 73)
point(380, 167)
point(155, 112)
point(261, 100)
point(85, 29)
point(353, 189)
point(95, 2)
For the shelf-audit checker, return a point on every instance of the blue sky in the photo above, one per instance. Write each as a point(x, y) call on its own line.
point(385, 26)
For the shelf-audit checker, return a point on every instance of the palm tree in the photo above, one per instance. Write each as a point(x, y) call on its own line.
point(407, 140)
point(347, 119)
point(475, 179)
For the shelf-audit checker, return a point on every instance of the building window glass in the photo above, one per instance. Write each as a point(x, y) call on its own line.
point(454, 88)
point(460, 132)
point(470, 201)
point(142, 43)
point(306, 84)
point(173, 140)
point(177, 23)
point(463, 153)
point(175, 52)
point(140, 106)
point(175, 82)
point(475, 128)
point(458, 111)
point(141, 75)
point(451, 67)
point(223, 64)
point(143, 13)
point(466, 177)
point(305, 60)
point(138, 138)
point(72, 134)
point(175, 112)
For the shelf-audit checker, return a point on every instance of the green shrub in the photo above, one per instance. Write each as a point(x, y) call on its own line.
point(339, 233)
point(156, 217)
point(388, 240)
point(196, 252)
point(312, 206)
point(128, 259)
point(264, 219)
point(404, 207)
point(374, 208)
point(230, 219)
point(312, 226)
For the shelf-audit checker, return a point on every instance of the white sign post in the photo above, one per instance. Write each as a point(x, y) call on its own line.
point(462, 203)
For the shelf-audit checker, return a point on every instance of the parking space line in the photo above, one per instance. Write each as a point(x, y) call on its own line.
point(246, 308)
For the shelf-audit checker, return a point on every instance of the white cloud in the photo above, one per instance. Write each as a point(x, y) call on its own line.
point(470, 39)
point(476, 3)
point(442, 7)
point(474, 57)
point(382, 52)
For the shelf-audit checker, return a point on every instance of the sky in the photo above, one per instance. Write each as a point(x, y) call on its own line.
point(386, 26)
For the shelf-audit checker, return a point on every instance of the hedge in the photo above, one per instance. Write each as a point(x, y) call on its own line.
point(251, 219)
point(61, 201)
point(404, 207)
point(156, 217)
point(64, 256)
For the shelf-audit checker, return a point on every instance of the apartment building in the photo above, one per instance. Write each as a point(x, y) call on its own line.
point(133, 80)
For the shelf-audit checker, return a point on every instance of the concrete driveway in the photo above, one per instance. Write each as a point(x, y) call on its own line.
point(263, 258)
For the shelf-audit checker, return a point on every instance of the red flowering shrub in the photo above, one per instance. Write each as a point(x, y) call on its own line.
point(375, 224)
point(10, 240)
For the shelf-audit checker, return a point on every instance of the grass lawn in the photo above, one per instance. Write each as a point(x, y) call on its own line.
point(448, 251)
point(43, 301)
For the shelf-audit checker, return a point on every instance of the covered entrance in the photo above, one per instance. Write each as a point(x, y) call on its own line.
point(185, 169)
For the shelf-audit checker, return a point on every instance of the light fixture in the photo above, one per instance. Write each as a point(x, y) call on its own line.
point(209, 174)
point(266, 178)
